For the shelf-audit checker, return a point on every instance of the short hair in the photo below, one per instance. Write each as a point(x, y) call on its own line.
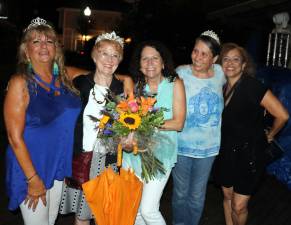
point(114, 43)
point(249, 69)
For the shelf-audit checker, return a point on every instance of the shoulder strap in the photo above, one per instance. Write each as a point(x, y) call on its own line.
point(228, 95)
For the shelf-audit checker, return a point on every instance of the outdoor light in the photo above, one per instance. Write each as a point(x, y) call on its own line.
point(127, 40)
point(87, 11)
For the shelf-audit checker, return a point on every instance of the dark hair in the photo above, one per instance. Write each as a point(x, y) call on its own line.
point(169, 67)
point(249, 69)
point(212, 44)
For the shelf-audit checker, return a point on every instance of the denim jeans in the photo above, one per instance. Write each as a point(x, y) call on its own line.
point(190, 177)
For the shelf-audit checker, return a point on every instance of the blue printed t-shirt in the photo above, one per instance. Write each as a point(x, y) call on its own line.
point(200, 137)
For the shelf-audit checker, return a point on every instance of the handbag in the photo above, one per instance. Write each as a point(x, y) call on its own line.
point(273, 152)
point(80, 170)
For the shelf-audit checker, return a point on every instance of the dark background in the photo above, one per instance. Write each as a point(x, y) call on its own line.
point(176, 23)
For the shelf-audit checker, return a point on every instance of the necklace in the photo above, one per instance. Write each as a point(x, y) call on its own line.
point(95, 99)
point(50, 85)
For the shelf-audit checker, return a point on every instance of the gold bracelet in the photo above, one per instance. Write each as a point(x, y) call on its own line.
point(30, 178)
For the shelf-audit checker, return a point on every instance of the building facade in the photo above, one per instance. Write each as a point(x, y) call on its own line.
point(78, 28)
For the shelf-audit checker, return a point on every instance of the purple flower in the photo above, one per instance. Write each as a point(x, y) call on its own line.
point(153, 110)
point(107, 132)
point(115, 116)
point(108, 125)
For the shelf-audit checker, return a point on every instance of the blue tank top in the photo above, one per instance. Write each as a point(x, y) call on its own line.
point(48, 135)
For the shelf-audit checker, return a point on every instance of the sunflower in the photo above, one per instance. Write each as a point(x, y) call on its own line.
point(130, 120)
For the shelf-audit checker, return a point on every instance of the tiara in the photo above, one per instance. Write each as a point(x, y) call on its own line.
point(37, 22)
point(110, 36)
point(211, 34)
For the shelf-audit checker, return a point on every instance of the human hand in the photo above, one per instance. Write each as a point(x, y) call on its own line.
point(128, 142)
point(269, 136)
point(36, 190)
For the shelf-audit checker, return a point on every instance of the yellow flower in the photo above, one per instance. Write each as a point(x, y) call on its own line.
point(103, 121)
point(132, 121)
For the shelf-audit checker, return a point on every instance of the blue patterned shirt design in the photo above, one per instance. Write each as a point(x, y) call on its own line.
point(200, 137)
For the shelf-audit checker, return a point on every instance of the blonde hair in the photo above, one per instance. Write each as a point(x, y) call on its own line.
point(23, 60)
point(116, 44)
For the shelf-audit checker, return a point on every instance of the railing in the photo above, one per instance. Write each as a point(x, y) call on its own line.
point(278, 49)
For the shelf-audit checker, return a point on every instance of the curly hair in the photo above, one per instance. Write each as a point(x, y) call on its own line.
point(249, 69)
point(23, 60)
point(134, 68)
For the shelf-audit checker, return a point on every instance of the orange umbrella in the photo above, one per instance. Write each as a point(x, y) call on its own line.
point(114, 198)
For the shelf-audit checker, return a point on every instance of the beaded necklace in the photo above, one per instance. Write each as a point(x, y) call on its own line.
point(95, 99)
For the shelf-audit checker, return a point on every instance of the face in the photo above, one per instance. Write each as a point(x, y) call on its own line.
point(202, 57)
point(151, 63)
point(106, 57)
point(40, 48)
point(232, 64)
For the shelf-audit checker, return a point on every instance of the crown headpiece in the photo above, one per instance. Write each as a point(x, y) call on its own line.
point(211, 34)
point(37, 22)
point(110, 36)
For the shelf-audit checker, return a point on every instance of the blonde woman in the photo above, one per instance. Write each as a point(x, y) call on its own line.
point(40, 111)
point(106, 54)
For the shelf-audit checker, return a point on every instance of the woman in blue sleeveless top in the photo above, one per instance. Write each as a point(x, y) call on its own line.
point(40, 110)
point(153, 68)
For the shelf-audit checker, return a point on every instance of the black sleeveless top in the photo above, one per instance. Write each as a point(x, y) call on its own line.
point(84, 83)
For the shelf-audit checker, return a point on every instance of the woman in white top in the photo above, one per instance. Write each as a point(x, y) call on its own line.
point(106, 54)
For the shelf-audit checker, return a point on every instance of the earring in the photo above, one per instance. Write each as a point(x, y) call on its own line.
point(29, 67)
point(55, 69)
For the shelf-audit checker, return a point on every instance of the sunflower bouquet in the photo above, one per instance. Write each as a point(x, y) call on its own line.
point(133, 122)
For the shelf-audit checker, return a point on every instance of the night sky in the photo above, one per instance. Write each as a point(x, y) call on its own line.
point(175, 22)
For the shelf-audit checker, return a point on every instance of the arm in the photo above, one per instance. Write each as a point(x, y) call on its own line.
point(75, 71)
point(15, 105)
point(272, 104)
point(179, 108)
point(128, 85)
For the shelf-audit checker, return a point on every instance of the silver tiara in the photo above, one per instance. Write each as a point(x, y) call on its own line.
point(211, 34)
point(37, 22)
point(110, 36)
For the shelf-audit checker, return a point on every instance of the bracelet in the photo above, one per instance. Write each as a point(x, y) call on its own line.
point(30, 178)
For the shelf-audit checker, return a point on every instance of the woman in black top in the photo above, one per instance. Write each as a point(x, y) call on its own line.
point(240, 163)
point(107, 53)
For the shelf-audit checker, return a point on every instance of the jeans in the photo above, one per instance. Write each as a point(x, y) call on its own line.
point(149, 212)
point(190, 177)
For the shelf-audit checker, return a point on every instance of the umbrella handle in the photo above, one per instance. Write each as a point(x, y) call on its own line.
point(119, 155)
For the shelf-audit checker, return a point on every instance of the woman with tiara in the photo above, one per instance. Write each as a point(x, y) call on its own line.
point(40, 110)
point(107, 53)
point(199, 142)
